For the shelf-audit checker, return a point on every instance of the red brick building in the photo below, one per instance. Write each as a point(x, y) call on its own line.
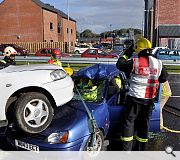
point(163, 19)
point(34, 21)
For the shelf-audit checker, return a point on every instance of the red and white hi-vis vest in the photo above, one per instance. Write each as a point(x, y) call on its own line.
point(144, 77)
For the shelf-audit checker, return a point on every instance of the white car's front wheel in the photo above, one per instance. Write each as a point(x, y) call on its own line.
point(33, 112)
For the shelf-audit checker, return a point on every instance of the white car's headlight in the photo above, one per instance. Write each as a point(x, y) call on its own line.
point(58, 137)
point(57, 75)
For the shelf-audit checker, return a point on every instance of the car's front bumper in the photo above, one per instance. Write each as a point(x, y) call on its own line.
point(43, 146)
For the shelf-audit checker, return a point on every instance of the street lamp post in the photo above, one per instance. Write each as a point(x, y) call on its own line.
point(68, 26)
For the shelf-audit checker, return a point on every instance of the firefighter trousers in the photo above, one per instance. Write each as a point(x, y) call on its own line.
point(136, 120)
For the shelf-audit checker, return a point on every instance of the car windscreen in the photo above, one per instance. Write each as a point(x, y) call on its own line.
point(89, 90)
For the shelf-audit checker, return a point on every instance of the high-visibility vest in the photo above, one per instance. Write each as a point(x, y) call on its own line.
point(144, 77)
point(54, 61)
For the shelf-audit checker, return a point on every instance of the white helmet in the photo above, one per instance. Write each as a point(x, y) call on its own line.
point(8, 51)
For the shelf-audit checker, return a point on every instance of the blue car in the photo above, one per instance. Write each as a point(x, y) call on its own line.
point(83, 125)
point(167, 54)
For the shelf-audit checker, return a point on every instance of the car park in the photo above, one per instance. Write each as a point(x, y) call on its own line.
point(167, 54)
point(30, 94)
point(48, 52)
point(20, 50)
point(72, 127)
point(96, 53)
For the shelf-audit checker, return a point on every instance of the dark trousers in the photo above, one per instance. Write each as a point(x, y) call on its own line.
point(136, 119)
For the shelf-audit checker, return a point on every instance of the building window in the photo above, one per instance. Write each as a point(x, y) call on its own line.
point(51, 40)
point(59, 27)
point(71, 43)
point(51, 26)
point(59, 30)
point(67, 30)
point(71, 31)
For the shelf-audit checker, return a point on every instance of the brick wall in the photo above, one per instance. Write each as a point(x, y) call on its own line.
point(169, 11)
point(50, 34)
point(20, 17)
point(24, 18)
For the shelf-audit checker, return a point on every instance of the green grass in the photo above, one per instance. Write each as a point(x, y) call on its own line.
point(175, 69)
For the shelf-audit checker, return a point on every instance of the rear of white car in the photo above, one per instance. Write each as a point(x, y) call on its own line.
point(49, 83)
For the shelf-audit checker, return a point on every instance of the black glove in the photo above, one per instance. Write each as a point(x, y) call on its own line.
point(128, 52)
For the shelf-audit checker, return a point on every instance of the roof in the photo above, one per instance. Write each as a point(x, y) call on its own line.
point(169, 30)
point(52, 9)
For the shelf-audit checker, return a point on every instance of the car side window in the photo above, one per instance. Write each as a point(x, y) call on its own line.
point(93, 52)
point(43, 51)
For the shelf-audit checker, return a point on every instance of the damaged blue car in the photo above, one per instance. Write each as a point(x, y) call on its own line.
point(83, 125)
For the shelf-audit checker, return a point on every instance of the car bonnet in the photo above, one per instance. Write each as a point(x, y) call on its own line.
point(21, 68)
point(98, 71)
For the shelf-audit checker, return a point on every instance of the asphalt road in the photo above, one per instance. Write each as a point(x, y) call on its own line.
point(159, 141)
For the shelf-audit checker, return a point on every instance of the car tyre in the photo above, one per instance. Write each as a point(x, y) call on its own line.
point(33, 112)
point(98, 146)
point(76, 52)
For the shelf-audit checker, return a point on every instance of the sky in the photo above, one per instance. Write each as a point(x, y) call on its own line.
point(102, 15)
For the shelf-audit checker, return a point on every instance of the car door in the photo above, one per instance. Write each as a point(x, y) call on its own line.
point(102, 54)
point(92, 53)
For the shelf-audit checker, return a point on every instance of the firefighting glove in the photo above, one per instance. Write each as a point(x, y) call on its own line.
point(128, 52)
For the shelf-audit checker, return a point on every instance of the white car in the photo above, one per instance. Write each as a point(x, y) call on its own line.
point(29, 94)
point(157, 48)
point(81, 48)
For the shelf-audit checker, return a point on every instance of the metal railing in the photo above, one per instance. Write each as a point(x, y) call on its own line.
point(79, 60)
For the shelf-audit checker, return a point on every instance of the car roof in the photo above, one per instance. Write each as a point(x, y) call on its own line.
point(98, 71)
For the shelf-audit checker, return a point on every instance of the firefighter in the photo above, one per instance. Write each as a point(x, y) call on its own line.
point(145, 73)
point(9, 57)
point(55, 58)
point(166, 93)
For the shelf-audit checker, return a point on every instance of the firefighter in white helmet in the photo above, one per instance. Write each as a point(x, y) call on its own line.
point(9, 57)
point(145, 73)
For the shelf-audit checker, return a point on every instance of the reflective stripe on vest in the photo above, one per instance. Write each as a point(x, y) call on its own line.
point(127, 138)
point(144, 77)
point(141, 139)
point(3, 61)
point(118, 82)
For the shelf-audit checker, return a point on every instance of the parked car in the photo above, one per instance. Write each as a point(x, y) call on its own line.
point(48, 52)
point(81, 48)
point(96, 53)
point(155, 49)
point(167, 54)
point(99, 46)
point(71, 128)
point(20, 50)
point(30, 93)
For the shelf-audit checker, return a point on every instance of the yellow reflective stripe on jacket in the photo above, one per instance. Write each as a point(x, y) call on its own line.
point(3, 61)
point(118, 82)
point(141, 139)
point(127, 138)
point(125, 57)
point(165, 92)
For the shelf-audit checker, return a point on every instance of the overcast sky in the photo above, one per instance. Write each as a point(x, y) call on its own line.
point(102, 15)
